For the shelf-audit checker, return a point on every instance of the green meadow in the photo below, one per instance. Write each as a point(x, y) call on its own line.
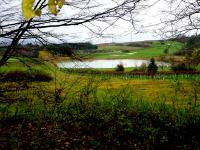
point(124, 51)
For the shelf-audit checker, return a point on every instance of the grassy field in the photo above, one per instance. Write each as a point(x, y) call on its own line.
point(43, 107)
point(151, 88)
point(127, 52)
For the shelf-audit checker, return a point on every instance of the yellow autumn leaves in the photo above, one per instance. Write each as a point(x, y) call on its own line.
point(29, 11)
point(55, 6)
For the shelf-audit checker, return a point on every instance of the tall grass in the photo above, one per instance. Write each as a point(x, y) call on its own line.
point(79, 115)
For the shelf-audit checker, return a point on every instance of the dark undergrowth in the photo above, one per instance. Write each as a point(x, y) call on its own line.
point(103, 127)
point(89, 120)
point(25, 76)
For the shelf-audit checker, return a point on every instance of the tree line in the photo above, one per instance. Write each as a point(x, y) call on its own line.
point(57, 49)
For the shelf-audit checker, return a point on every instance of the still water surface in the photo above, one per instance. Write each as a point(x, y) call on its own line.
point(103, 63)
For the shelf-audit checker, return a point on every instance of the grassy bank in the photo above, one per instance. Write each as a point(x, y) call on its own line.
point(25, 64)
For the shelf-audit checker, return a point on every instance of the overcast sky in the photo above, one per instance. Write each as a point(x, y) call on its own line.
point(122, 31)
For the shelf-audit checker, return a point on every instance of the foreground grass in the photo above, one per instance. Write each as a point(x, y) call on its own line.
point(92, 118)
point(74, 111)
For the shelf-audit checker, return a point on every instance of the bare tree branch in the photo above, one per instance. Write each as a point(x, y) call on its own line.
point(75, 12)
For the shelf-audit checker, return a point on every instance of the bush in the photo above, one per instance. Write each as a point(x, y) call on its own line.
point(142, 67)
point(182, 67)
point(126, 51)
point(120, 67)
point(152, 67)
point(193, 42)
point(25, 76)
point(166, 51)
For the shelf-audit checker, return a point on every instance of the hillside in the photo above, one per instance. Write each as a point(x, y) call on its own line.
point(141, 50)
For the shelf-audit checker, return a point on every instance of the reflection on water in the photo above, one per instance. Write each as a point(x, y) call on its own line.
point(106, 63)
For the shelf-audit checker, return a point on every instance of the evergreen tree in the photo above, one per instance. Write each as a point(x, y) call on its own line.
point(152, 67)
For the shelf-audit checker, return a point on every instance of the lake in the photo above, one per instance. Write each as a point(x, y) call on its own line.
point(106, 63)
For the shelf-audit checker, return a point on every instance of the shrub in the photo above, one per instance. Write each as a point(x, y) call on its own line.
point(120, 67)
point(152, 67)
point(166, 51)
point(182, 67)
point(25, 76)
point(193, 42)
point(45, 55)
point(126, 51)
point(142, 67)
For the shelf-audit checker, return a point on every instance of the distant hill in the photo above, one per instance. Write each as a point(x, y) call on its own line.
point(137, 43)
